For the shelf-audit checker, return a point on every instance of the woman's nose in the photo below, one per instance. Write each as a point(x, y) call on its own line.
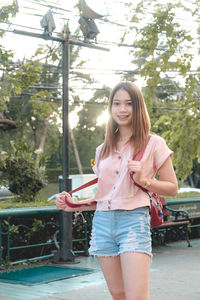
point(122, 107)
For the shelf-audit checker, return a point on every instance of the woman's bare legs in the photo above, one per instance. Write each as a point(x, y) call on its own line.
point(111, 267)
point(127, 275)
point(136, 271)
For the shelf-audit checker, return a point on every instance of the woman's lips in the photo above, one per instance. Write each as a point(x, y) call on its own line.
point(123, 117)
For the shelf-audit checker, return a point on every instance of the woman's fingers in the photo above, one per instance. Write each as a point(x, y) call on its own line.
point(134, 166)
point(60, 200)
point(61, 203)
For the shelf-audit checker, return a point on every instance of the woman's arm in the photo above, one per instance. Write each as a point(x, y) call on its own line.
point(166, 185)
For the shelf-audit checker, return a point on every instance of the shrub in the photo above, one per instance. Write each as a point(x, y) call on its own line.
point(24, 174)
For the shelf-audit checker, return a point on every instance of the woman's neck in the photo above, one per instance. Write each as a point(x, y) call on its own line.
point(123, 137)
point(124, 134)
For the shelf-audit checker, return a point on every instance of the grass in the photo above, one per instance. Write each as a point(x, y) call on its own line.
point(12, 203)
point(48, 191)
point(185, 195)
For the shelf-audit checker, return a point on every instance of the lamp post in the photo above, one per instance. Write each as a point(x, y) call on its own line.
point(64, 253)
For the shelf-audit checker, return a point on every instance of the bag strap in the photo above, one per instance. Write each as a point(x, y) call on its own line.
point(138, 157)
point(91, 182)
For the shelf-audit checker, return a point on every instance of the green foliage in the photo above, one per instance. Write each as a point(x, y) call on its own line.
point(8, 11)
point(88, 134)
point(40, 107)
point(25, 178)
point(31, 93)
point(169, 79)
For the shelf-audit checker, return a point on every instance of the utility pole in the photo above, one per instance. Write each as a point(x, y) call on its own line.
point(65, 252)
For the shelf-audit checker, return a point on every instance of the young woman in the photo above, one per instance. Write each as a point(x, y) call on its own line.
point(121, 226)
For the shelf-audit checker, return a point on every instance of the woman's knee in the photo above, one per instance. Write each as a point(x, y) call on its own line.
point(139, 296)
point(118, 294)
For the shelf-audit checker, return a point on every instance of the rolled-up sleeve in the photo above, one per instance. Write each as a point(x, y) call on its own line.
point(95, 167)
point(161, 153)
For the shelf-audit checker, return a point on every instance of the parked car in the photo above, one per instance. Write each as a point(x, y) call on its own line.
point(5, 193)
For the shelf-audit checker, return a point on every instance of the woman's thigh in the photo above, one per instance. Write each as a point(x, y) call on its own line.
point(111, 268)
point(136, 273)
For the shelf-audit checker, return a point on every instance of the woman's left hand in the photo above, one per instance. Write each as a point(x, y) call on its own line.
point(137, 167)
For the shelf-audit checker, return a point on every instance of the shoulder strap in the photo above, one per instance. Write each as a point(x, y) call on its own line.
point(138, 157)
point(91, 182)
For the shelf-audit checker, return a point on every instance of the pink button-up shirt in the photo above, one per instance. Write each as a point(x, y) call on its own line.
point(116, 190)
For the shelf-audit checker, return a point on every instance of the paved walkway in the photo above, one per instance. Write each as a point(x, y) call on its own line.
point(175, 275)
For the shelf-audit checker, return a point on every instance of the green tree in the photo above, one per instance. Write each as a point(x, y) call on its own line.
point(88, 133)
point(33, 99)
point(171, 78)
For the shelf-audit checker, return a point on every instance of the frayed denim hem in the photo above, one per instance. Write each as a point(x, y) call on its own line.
point(104, 255)
point(121, 252)
point(136, 251)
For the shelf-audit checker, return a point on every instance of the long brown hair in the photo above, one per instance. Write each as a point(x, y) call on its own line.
point(140, 121)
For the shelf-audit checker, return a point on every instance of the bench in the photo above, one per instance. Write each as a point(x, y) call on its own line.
point(174, 226)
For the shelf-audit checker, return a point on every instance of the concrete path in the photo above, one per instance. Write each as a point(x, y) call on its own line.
point(175, 275)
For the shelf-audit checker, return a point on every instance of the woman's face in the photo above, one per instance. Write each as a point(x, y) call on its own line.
point(122, 109)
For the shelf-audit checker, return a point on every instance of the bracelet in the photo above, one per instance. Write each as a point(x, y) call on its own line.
point(148, 183)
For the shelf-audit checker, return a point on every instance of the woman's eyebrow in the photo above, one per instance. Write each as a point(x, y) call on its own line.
point(121, 100)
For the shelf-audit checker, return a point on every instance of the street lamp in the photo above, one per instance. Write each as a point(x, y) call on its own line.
point(86, 21)
point(48, 23)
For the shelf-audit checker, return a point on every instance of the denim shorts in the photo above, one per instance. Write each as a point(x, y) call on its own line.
point(118, 231)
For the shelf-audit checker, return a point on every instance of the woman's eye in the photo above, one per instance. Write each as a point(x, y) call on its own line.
point(129, 103)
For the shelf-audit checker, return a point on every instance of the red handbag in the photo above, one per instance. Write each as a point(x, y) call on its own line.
point(156, 208)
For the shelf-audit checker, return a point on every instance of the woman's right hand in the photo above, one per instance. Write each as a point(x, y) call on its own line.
point(61, 201)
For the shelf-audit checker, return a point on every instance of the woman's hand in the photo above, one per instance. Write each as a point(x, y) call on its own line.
point(137, 167)
point(61, 202)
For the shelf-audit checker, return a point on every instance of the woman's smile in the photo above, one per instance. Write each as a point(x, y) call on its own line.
point(123, 117)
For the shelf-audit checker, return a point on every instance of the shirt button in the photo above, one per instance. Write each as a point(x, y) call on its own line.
point(117, 172)
point(114, 188)
point(119, 157)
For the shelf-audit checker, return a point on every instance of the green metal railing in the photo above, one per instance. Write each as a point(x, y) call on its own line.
point(14, 232)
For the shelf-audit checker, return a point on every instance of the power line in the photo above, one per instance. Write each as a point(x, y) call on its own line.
point(49, 6)
point(102, 20)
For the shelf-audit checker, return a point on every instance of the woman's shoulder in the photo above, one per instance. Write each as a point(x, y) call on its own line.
point(98, 149)
point(158, 143)
point(156, 138)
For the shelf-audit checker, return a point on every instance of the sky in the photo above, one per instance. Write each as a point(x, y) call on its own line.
point(118, 22)
point(31, 14)
point(101, 65)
